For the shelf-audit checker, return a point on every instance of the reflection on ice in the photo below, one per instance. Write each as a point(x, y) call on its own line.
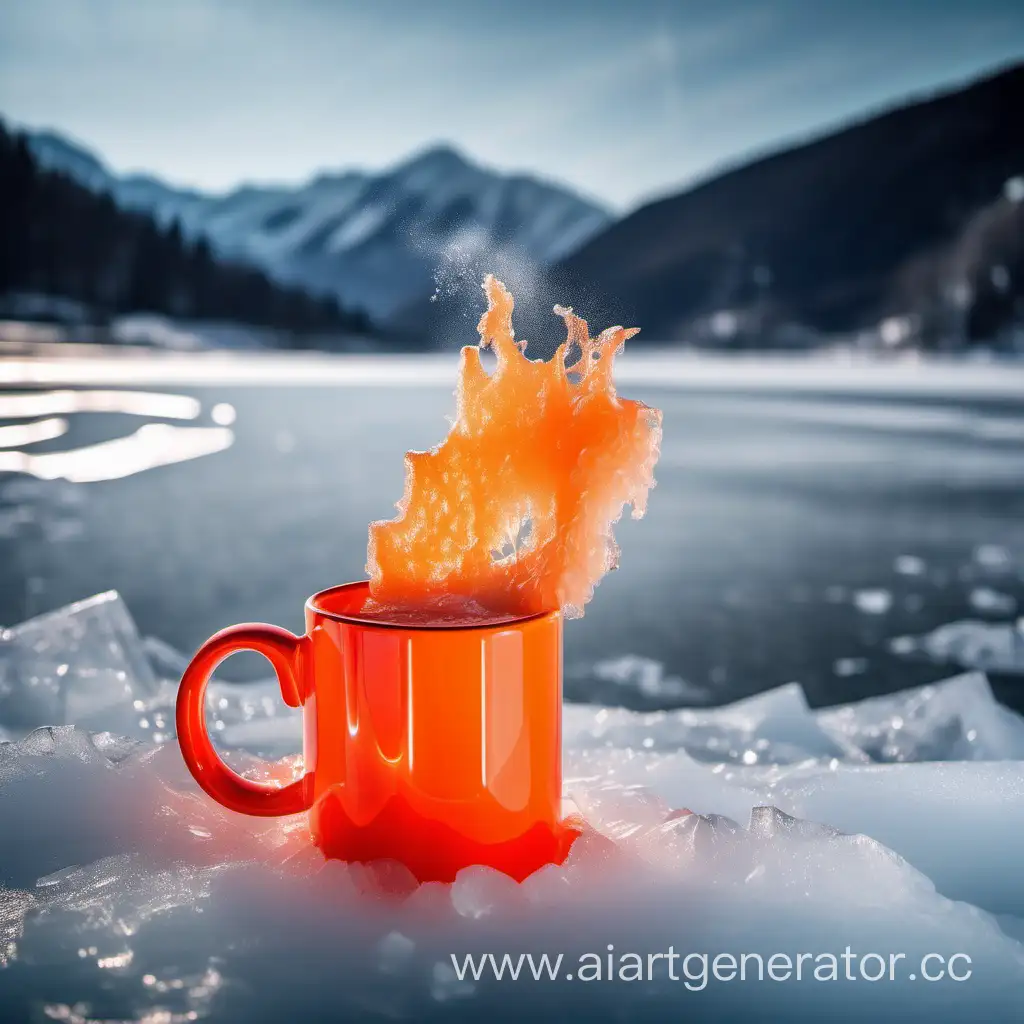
point(129, 895)
point(223, 414)
point(17, 435)
point(152, 445)
point(138, 403)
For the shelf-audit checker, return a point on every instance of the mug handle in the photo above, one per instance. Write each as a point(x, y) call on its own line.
point(284, 651)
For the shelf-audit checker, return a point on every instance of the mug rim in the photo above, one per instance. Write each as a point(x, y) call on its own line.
point(314, 604)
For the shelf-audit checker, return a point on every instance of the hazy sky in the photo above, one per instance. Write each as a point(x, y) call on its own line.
point(624, 100)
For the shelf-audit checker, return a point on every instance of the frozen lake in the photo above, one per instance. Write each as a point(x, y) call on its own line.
point(809, 519)
point(806, 513)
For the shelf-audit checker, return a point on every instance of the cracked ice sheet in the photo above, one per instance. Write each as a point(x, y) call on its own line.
point(183, 908)
point(128, 895)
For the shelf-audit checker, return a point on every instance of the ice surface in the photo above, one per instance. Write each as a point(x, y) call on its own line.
point(83, 664)
point(130, 896)
point(992, 556)
point(970, 643)
point(910, 565)
point(776, 727)
point(87, 665)
point(846, 667)
point(873, 602)
point(985, 599)
point(632, 680)
point(956, 720)
point(165, 661)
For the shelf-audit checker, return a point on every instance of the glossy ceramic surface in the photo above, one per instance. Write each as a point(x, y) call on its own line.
point(439, 746)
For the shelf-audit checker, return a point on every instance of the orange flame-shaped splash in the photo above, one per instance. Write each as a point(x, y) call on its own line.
point(513, 511)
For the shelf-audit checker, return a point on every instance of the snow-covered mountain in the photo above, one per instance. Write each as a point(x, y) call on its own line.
point(377, 241)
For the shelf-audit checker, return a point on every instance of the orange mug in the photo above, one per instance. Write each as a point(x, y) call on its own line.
point(435, 745)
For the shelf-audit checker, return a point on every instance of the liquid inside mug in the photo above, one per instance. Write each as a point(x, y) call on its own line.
point(435, 745)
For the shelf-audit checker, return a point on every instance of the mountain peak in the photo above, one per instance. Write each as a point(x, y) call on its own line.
point(432, 168)
point(375, 240)
point(442, 155)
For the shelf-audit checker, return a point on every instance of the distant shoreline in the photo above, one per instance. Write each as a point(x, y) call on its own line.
point(69, 363)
